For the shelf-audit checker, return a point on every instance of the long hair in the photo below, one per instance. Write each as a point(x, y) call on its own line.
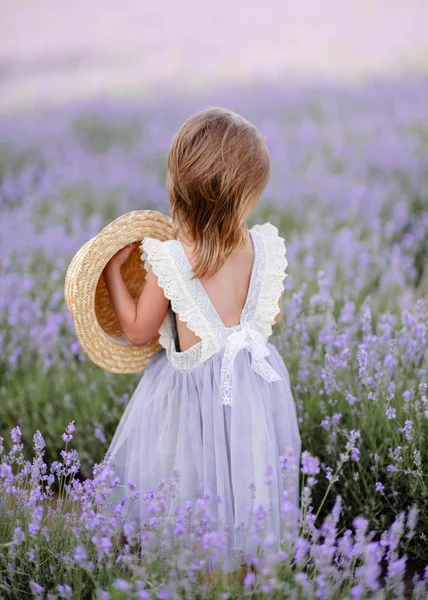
point(218, 166)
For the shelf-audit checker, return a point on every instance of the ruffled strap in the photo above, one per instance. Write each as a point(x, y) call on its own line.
point(271, 278)
point(171, 279)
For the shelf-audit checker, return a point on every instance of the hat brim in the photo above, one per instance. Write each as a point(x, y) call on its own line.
point(87, 297)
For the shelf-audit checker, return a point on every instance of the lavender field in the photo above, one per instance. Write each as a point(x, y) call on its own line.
point(349, 192)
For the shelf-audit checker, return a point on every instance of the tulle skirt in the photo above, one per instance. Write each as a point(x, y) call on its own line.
point(176, 422)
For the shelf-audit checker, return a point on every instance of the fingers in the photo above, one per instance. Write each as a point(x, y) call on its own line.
point(122, 255)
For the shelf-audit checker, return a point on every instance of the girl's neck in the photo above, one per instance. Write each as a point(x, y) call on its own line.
point(190, 242)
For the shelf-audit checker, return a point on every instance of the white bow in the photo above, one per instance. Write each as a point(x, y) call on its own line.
point(252, 340)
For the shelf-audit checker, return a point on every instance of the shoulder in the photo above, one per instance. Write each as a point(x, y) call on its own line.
point(275, 252)
point(154, 248)
point(271, 277)
point(274, 243)
point(150, 243)
point(266, 229)
point(155, 254)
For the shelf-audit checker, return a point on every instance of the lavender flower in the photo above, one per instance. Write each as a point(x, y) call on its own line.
point(310, 464)
point(348, 188)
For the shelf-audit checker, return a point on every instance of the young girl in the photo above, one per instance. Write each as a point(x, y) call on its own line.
point(215, 404)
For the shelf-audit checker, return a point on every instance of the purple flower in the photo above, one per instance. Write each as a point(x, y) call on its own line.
point(412, 518)
point(391, 413)
point(355, 331)
point(355, 454)
point(310, 464)
point(99, 434)
point(16, 434)
point(79, 554)
point(33, 528)
point(362, 362)
point(106, 544)
point(301, 550)
point(164, 594)
point(358, 592)
point(350, 399)
point(68, 435)
point(380, 487)
point(36, 588)
point(18, 535)
point(249, 580)
point(65, 591)
point(39, 442)
point(408, 430)
point(122, 585)
point(397, 568)
point(336, 418)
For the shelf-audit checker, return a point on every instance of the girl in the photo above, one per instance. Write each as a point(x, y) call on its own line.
point(215, 404)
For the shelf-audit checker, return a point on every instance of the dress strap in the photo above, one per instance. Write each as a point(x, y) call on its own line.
point(191, 303)
point(198, 293)
point(173, 277)
point(271, 277)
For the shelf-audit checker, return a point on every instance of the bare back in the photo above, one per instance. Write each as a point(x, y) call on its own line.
point(227, 290)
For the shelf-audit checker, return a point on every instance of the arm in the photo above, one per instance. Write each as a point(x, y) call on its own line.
point(139, 320)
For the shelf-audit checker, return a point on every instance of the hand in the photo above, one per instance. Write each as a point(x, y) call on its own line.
point(120, 257)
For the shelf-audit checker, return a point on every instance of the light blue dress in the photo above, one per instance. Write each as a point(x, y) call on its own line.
point(221, 412)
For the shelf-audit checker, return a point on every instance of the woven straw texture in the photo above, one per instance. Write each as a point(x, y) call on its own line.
point(87, 297)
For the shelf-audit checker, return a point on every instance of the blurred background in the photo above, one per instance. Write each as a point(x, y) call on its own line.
point(91, 94)
point(54, 52)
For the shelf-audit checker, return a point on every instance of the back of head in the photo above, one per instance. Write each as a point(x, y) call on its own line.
point(218, 166)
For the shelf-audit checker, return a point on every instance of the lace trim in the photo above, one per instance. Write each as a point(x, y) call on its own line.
point(271, 277)
point(249, 310)
point(201, 299)
point(165, 330)
point(157, 254)
point(188, 359)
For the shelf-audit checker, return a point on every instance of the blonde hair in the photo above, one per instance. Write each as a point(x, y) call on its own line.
point(218, 166)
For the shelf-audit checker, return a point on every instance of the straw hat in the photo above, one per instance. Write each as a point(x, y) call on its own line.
point(87, 297)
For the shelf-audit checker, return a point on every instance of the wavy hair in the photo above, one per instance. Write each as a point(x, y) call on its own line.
point(218, 166)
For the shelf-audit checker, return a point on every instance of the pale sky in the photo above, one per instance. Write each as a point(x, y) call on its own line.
point(56, 51)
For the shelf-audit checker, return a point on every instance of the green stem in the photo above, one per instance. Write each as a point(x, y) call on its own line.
point(328, 489)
